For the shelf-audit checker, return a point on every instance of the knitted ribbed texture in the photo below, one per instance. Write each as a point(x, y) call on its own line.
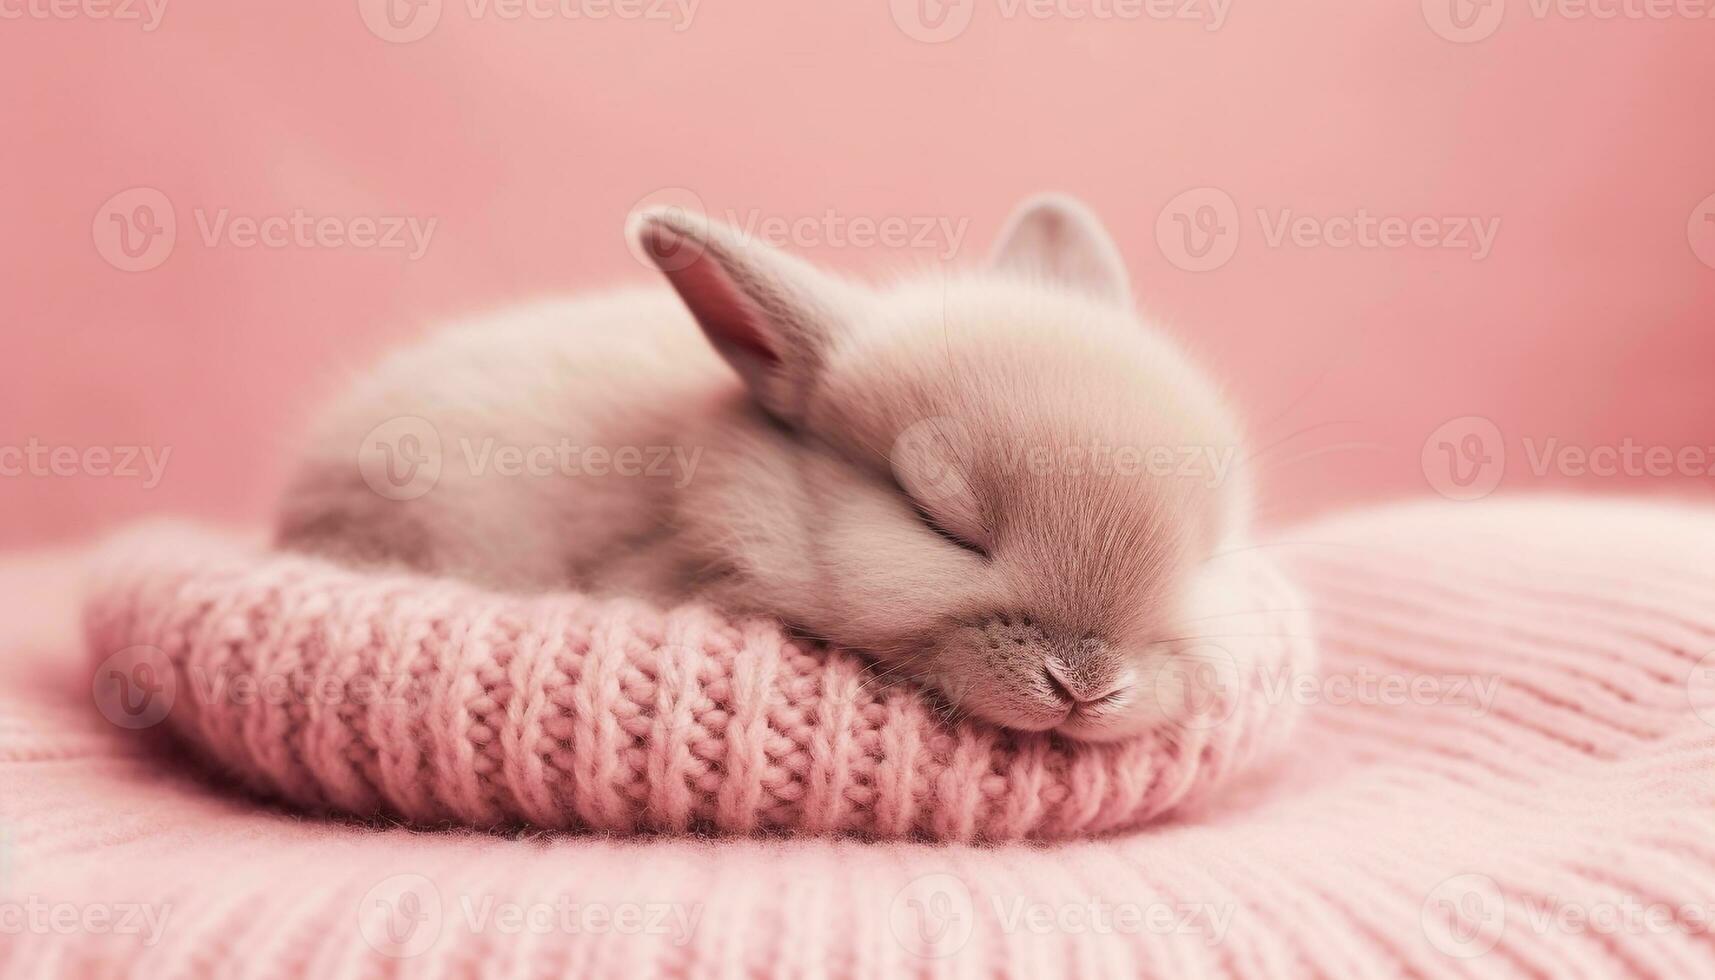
point(1583, 780)
point(436, 702)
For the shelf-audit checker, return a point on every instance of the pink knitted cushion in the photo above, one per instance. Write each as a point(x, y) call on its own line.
point(435, 701)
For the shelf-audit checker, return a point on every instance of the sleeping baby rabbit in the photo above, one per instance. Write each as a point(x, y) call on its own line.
point(997, 480)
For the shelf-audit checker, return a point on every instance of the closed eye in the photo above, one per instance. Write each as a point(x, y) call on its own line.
point(946, 533)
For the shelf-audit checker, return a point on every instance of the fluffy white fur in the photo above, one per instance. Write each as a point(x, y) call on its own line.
point(893, 469)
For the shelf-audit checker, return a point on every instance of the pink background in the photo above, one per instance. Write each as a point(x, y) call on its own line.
point(1592, 321)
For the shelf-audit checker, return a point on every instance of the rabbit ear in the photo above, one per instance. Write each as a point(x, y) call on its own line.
point(1055, 237)
point(773, 317)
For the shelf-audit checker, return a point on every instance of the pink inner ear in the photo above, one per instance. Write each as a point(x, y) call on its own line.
point(730, 320)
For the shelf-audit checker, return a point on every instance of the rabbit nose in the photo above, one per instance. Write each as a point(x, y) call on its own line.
point(1083, 687)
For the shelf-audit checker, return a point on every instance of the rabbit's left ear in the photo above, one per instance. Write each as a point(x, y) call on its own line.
point(773, 317)
point(1057, 238)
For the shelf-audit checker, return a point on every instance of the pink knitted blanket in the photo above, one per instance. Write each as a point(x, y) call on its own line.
point(436, 702)
point(1505, 769)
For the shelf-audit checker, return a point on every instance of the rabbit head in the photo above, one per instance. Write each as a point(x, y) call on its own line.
point(998, 481)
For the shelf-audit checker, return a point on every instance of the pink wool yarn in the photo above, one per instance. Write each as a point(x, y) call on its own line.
point(434, 701)
point(1540, 807)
